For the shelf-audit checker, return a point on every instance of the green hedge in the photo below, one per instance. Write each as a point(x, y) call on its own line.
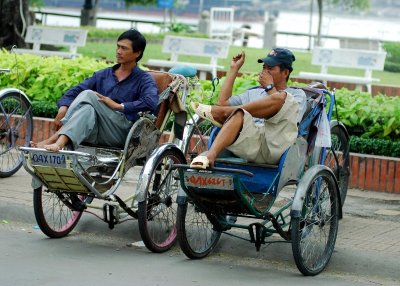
point(45, 79)
point(373, 116)
point(392, 67)
point(375, 146)
point(44, 109)
point(392, 62)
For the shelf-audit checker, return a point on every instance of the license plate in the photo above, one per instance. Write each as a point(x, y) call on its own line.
point(209, 181)
point(48, 159)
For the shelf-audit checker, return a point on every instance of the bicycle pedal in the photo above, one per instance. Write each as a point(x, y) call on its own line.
point(110, 214)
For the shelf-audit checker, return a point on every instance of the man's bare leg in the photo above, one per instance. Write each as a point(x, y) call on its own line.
point(226, 136)
point(59, 144)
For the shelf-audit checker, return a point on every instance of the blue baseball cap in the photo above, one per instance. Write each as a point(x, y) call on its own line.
point(279, 56)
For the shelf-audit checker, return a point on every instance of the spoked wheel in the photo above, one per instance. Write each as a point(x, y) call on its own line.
point(16, 126)
point(337, 158)
point(314, 232)
point(157, 213)
point(57, 213)
point(198, 135)
point(195, 232)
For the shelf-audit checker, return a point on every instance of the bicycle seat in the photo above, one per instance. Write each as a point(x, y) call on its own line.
point(186, 71)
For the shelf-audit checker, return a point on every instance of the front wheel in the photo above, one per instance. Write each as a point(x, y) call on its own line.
point(57, 213)
point(314, 232)
point(196, 235)
point(157, 213)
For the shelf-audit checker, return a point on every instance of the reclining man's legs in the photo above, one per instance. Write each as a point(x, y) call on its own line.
point(227, 135)
point(85, 120)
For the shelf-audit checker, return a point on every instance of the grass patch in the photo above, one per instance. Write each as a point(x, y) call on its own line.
point(106, 50)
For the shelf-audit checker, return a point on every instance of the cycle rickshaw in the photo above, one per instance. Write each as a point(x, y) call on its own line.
point(16, 126)
point(66, 183)
point(235, 194)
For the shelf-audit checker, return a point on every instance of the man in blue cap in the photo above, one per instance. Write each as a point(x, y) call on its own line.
point(260, 124)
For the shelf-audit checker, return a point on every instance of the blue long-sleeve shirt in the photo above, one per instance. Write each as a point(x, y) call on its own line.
point(138, 92)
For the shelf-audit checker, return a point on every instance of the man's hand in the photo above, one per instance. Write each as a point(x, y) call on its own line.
point(60, 115)
point(238, 61)
point(109, 102)
point(265, 78)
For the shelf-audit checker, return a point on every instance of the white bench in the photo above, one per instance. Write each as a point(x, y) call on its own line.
point(346, 58)
point(38, 35)
point(201, 47)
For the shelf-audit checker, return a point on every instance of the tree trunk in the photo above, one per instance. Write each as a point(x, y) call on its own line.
point(88, 13)
point(12, 25)
point(318, 43)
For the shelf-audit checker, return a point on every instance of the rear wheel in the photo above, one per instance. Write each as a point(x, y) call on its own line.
point(57, 213)
point(16, 125)
point(198, 135)
point(314, 232)
point(338, 159)
point(195, 232)
point(157, 213)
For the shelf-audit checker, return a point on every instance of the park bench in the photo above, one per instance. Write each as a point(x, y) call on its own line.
point(199, 47)
point(39, 35)
point(346, 58)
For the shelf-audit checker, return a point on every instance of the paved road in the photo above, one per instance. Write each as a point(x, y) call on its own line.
point(367, 250)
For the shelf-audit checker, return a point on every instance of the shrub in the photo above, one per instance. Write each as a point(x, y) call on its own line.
point(392, 67)
point(44, 109)
point(392, 62)
point(375, 146)
point(45, 79)
point(393, 51)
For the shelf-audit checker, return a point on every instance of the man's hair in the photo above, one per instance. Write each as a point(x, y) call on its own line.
point(137, 39)
point(285, 67)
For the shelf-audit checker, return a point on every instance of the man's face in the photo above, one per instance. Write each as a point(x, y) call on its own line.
point(125, 53)
point(276, 73)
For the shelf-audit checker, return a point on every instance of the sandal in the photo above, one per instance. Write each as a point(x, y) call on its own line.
point(204, 111)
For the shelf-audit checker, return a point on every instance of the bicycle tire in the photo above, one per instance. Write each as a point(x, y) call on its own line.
point(16, 127)
point(314, 233)
point(197, 142)
point(196, 236)
point(157, 212)
point(53, 212)
point(338, 159)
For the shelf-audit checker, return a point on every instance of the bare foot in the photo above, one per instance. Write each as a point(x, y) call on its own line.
point(43, 143)
point(52, 147)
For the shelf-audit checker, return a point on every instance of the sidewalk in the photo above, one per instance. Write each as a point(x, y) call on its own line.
point(371, 220)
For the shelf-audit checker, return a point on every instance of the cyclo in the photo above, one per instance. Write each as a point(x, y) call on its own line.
point(236, 194)
point(66, 183)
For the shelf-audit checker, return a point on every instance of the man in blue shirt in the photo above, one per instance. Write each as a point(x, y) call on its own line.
point(102, 109)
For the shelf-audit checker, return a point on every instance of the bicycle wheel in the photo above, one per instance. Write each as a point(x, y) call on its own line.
point(57, 213)
point(197, 138)
point(195, 232)
point(16, 125)
point(314, 233)
point(157, 213)
point(338, 160)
